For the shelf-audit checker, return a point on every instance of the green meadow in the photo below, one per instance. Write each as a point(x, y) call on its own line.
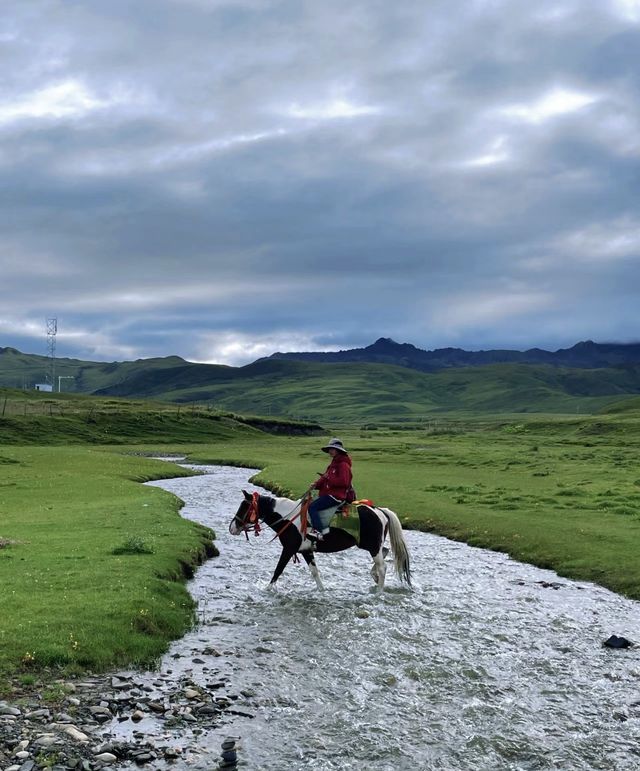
point(92, 562)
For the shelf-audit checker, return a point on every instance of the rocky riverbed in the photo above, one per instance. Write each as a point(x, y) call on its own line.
point(71, 724)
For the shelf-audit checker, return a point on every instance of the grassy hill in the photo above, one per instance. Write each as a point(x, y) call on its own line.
point(33, 417)
point(338, 392)
point(370, 392)
point(23, 370)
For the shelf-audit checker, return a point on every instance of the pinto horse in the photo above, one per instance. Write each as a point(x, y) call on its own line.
point(283, 516)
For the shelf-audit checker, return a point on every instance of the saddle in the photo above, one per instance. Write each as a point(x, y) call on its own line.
point(342, 516)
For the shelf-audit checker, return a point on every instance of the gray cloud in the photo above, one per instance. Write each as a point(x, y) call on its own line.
point(223, 179)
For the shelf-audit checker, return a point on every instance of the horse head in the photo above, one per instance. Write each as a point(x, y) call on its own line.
point(247, 517)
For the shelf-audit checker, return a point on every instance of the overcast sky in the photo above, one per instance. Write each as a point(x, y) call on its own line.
point(223, 179)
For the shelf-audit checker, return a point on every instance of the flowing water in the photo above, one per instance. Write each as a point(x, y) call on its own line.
point(486, 664)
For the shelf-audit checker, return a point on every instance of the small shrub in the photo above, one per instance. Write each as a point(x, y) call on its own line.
point(625, 511)
point(46, 759)
point(55, 693)
point(515, 428)
point(133, 545)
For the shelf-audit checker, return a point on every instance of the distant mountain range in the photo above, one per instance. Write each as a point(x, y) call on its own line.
point(386, 380)
point(585, 355)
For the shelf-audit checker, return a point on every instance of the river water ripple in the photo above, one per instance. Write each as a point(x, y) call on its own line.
point(479, 667)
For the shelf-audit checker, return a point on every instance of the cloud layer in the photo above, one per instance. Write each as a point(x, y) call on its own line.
point(221, 179)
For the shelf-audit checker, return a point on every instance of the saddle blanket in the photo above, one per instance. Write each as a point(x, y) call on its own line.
point(348, 519)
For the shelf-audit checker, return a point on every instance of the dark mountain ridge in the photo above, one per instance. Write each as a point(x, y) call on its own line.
point(583, 355)
point(365, 384)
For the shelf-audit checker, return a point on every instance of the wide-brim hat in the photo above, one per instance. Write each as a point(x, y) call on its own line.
point(334, 444)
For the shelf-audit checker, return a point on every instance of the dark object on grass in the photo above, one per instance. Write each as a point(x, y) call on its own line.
point(617, 642)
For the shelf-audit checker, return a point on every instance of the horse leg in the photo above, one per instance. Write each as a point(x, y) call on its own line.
point(310, 560)
point(379, 569)
point(282, 564)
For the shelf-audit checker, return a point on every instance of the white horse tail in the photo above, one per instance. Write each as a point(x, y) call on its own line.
point(399, 547)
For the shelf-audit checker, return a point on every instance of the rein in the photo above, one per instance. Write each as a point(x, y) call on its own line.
point(251, 520)
point(304, 508)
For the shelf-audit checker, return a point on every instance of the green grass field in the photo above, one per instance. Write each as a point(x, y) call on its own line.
point(68, 596)
point(91, 561)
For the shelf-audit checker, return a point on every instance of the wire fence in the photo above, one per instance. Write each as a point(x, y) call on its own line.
point(29, 407)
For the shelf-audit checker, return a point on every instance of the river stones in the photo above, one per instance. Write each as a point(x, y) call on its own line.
point(9, 711)
point(107, 758)
point(38, 714)
point(617, 642)
point(229, 754)
point(46, 740)
point(208, 709)
point(70, 730)
point(101, 722)
point(120, 683)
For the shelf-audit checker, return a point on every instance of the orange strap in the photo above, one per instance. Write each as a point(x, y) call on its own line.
point(251, 516)
point(304, 508)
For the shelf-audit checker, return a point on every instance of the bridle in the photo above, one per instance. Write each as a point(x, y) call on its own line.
point(250, 519)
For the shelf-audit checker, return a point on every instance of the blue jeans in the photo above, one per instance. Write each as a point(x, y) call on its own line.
point(321, 503)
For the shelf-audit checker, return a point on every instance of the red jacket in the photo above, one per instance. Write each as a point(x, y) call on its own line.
point(336, 478)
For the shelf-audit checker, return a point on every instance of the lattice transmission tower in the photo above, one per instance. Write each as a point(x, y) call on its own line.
point(52, 331)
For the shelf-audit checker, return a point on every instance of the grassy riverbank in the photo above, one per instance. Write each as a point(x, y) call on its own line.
point(92, 562)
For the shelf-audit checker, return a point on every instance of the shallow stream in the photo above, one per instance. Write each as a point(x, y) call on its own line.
point(487, 664)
